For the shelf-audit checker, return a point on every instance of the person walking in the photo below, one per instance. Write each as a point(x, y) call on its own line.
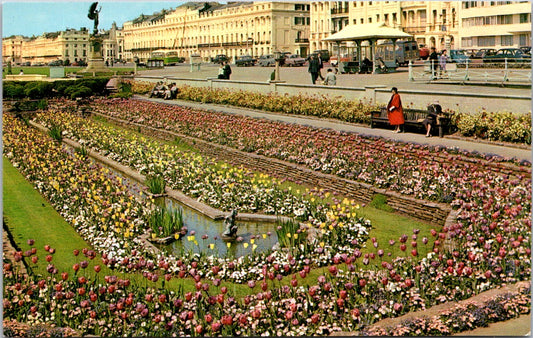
point(443, 58)
point(320, 66)
point(314, 68)
point(433, 61)
point(395, 111)
point(227, 70)
point(331, 78)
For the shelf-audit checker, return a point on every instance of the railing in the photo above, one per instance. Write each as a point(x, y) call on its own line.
point(301, 40)
point(339, 10)
point(501, 73)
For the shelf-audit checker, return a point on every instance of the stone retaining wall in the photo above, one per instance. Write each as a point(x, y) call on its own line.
point(431, 212)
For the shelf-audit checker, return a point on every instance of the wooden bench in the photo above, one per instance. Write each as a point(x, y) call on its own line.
point(413, 120)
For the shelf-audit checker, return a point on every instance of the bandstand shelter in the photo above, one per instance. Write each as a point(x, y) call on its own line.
point(371, 32)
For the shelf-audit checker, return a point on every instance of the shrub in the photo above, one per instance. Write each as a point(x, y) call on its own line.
point(82, 151)
point(80, 91)
point(13, 90)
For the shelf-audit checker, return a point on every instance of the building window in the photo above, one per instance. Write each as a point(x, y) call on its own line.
point(466, 42)
point(525, 17)
point(506, 40)
point(377, 17)
point(362, 20)
point(355, 21)
point(369, 20)
point(525, 39)
point(486, 41)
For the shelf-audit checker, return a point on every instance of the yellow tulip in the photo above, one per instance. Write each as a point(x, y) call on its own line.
point(252, 241)
point(245, 245)
point(289, 234)
point(264, 236)
point(254, 247)
point(212, 246)
point(228, 244)
point(153, 235)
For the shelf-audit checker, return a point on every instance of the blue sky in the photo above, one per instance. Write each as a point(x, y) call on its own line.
point(35, 18)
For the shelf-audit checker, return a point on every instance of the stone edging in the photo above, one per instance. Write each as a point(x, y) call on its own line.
point(432, 212)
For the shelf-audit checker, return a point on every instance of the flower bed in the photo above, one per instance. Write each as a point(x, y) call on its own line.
point(495, 126)
point(462, 317)
point(492, 234)
point(116, 234)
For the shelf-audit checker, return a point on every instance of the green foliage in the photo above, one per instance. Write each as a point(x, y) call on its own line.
point(13, 90)
point(44, 89)
point(380, 202)
point(156, 184)
point(165, 222)
point(56, 132)
point(289, 234)
point(82, 151)
point(42, 104)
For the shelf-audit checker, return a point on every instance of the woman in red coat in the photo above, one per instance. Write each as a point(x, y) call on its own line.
point(395, 111)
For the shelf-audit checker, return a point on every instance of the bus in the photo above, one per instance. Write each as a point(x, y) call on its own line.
point(169, 57)
point(405, 51)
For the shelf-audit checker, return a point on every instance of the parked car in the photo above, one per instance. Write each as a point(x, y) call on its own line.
point(266, 60)
point(220, 58)
point(324, 54)
point(294, 60)
point(26, 64)
point(509, 54)
point(423, 52)
point(79, 63)
point(245, 60)
point(459, 56)
point(55, 63)
point(344, 58)
point(38, 64)
point(480, 54)
point(526, 49)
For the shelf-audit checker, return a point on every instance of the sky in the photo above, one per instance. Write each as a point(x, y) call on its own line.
point(37, 17)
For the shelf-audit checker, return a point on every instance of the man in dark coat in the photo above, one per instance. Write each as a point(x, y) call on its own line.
point(434, 61)
point(227, 71)
point(314, 68)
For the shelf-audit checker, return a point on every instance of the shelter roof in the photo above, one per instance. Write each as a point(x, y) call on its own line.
point(368, 31)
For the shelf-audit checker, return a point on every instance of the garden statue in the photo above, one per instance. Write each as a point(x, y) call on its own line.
point(231, 227)
point(93, 15)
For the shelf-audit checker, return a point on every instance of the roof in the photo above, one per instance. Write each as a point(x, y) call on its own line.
point(368, 31)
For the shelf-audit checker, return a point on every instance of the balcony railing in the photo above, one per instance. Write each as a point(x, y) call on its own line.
point(301, 40)
point(414, 30)
point(339, 10)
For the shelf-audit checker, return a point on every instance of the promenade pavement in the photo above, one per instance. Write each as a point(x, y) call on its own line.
point(506, 151)
point(299, 75)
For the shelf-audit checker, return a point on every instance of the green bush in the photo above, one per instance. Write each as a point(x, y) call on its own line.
point(13, 90)
point(80, 91)
point(156, 184)
point(380, 202)
point(56, 132)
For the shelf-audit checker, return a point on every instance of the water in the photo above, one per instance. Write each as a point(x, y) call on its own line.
point(256, 236)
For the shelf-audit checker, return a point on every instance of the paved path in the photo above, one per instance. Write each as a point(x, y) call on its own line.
point(464, 144)
point(520, 326)
point(299, 75)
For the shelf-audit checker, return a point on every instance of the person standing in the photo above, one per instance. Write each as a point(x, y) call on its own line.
point(314, 68)
point(395, 111)
point(227, 71)
point(442, 62)
point(433, 61)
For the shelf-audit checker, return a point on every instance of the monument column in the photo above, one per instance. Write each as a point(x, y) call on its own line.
point(96, 58)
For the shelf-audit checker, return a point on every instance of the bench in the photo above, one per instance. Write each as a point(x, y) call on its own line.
point(413, 119)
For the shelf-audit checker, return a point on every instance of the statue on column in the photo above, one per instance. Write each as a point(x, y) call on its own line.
point(93, 15)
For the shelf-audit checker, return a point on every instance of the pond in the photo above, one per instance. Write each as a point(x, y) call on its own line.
point(204, 235)
point(204, 232)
